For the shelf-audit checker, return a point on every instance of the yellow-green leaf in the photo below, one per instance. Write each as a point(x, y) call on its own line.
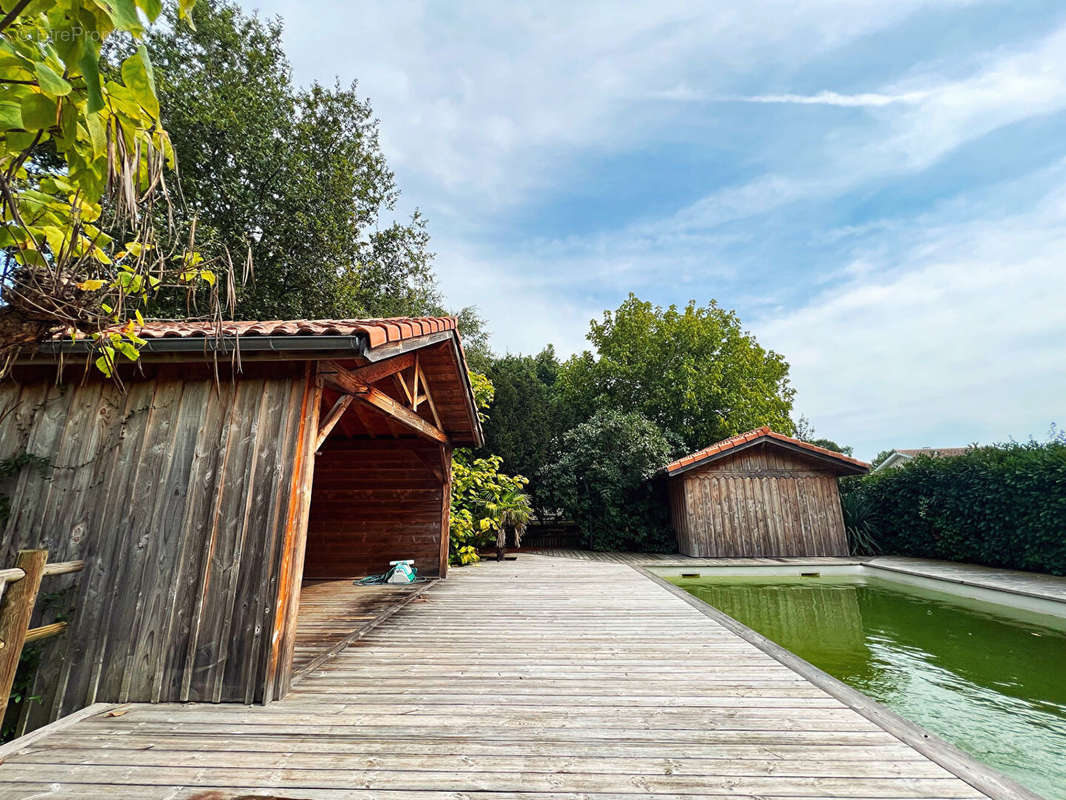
point(151, 8)
point(51, 82)
point(10, 115)
point(104, 363)
point(91, 285)
point(97, 134)
point(124, 13)
point(208, 276)
point(90, 70)
point(137, 75)
point(184, 7)
point(38, 112)
point(127, 349)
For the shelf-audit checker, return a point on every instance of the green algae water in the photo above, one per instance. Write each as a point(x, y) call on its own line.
point(991, 684)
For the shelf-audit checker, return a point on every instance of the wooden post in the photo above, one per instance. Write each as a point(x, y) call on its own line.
point(16, 609)
point(446, 508)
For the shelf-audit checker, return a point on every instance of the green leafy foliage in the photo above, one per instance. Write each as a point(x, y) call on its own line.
point(1004, 506)
point(600, 476)
point(694, 372)
point(292, 181)
point(858, 524)
point(83, 159)
point(526, 415)
point(486, 503)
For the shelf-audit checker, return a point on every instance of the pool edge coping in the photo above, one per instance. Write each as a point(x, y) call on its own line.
point(965, 767)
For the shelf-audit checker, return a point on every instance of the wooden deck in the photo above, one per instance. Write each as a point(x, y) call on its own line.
point(526, 679)
point(334, 613)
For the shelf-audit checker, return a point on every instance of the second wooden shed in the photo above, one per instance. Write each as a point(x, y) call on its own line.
point(760, 494)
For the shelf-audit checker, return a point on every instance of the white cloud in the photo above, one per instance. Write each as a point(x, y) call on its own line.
point(862, 100)
point(479, 99)
point(1013, 86)
point(928, 117)
point(962, 330)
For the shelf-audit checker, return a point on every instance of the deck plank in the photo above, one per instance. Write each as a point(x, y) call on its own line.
point(522, 679)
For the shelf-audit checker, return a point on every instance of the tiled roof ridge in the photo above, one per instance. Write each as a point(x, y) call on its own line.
point(757, 433)
point(378, 331)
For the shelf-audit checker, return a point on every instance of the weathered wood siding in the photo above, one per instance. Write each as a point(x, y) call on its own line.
point(375, 501)
point(177, 495)
point(760, 502)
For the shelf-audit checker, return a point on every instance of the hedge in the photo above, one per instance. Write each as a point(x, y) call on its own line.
point(1002, 506)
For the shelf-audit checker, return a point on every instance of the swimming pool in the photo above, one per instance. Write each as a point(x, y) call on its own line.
point(990, 680)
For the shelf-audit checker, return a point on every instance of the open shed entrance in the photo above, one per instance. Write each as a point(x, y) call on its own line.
point(380, 492)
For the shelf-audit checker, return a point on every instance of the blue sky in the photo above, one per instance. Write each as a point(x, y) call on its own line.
point(877, 187)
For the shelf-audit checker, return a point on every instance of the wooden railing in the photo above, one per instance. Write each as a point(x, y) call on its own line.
point(19, 587)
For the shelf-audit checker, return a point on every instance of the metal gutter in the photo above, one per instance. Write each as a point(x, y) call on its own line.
point(225, 344)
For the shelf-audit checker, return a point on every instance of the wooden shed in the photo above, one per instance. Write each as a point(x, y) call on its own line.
point(760, 494)
point(231, 466)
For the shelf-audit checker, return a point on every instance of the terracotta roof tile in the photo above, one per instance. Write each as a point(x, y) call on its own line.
point(377, 331)
point(750, 436)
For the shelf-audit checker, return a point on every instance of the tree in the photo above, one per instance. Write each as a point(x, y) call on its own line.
point(600, 475)
point(83, 163)
point(525, 416)
point(511, 507)
point(290, 181)
point(694, 372)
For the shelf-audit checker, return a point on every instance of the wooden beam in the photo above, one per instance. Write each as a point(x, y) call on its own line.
point(415, 399)
point(333, 418)
point(405, 416)
point(428, 394)
point(44, 631)
point(15, 612)
point(372, 373)
point(343, 380)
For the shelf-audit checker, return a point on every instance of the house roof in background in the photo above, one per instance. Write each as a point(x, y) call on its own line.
point(935, 452)
point(759, 436)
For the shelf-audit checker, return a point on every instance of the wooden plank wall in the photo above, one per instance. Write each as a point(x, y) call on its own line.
point(176, 494)
point(760, 502)
point(374, 501)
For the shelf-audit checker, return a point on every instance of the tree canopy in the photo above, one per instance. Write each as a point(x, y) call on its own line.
point(600, 476)
point(294, 178)
point(694, 372)
point(525, 415)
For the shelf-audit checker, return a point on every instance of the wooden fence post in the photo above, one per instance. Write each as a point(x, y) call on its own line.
point(16, 609)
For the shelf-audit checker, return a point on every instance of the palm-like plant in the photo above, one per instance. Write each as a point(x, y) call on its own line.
point(513, 511)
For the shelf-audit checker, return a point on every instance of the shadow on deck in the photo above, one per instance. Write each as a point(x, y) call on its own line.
point(335, 613)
